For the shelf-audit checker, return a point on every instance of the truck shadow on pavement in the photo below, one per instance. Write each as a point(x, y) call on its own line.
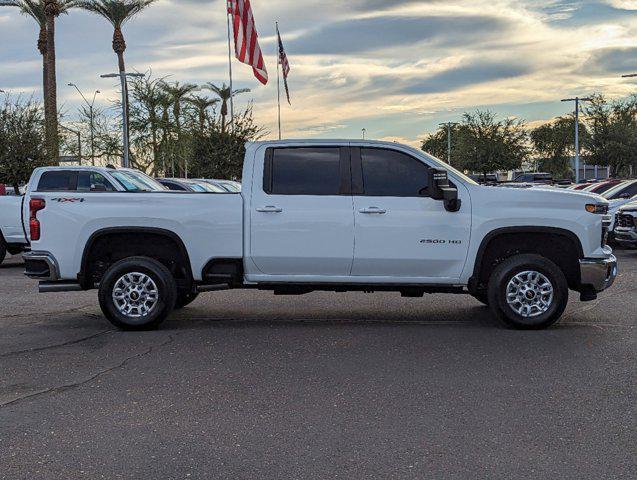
point(200, 318)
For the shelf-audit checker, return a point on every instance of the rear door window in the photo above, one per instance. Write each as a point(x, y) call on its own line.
point(57, 181)
point(304, 171)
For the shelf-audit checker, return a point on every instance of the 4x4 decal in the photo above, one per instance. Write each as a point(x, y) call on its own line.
point(68, 200)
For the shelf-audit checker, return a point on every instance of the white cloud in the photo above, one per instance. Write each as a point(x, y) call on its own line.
point(426, 61)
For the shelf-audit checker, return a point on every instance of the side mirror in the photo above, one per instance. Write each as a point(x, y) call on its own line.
point(440, 189)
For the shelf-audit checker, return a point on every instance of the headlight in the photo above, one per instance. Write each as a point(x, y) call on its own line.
point(597, 208)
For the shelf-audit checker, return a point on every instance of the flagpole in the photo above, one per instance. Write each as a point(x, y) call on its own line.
point(230, 6)
point(278, 79)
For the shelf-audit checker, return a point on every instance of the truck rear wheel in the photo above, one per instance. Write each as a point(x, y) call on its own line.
point(528, 292)
point(137, 293)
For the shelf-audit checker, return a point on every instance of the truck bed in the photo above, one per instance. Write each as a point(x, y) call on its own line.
point(210, 225)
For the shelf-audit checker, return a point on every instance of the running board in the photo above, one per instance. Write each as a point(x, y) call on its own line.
point(55, 287)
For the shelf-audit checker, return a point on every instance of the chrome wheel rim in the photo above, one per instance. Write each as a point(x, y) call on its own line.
point(529, 294)
point(135, 295)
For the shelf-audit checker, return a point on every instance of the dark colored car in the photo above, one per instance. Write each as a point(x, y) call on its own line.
point(185, 185)
point(534, 177)
point(602, 186)
point(489, 178)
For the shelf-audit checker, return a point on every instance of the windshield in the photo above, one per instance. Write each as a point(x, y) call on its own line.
point(214, 188)
point(136, 181)
point(609, 193)
point(231, 186)
point(197, 187)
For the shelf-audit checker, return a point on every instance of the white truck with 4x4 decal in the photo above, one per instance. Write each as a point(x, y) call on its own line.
point(322, 215)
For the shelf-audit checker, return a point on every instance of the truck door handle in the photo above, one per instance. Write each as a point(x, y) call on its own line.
point(373, 211)
point(269, 209)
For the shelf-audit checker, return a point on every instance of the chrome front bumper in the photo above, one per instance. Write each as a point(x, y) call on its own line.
point(598, 273)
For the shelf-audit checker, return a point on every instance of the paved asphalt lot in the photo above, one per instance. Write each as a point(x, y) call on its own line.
point(246, 385)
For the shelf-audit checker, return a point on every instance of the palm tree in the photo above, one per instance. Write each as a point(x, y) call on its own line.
point(225, 95)
point(36, 9)
point(117, 12)
point(201, 105)
point(177, 93)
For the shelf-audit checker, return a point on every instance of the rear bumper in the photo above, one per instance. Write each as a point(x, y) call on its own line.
point(41, 266)
point(598, 273)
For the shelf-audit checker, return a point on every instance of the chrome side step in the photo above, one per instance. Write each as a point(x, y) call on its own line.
point(54, 287)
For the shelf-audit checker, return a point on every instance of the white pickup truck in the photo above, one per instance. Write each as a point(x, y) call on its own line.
point(323, 215)
point(12, 239)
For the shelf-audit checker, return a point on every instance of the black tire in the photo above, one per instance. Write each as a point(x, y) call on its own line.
point(482, 297)
point(164, 290)
point(185, 298)
point(506, 271)
point(3, 251)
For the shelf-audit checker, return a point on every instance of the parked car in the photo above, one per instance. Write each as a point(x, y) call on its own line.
point(228, 185)
point(12, 237)
point(626, 189)
point(626, 225)
point(534, 177)
point(325, 215)
point(185, 185)
point(489, 178)
point(602, 186)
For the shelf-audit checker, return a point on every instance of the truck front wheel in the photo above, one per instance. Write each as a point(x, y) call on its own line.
point(137, 293)
point(3, 251)
point(528, 292)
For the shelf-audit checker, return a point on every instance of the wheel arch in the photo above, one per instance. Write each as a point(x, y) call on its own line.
point(490, 241)
point(84, 276)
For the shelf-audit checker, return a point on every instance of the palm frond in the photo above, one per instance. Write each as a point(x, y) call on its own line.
point(35, 8)
point(117, 12)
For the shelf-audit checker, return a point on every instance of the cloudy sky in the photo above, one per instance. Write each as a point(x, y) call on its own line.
point(394, 67)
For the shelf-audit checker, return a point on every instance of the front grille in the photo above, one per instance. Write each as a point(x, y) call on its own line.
point(625, 220)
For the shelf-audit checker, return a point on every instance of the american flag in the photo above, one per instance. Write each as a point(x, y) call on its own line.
point(285, 64)
point(246, 42)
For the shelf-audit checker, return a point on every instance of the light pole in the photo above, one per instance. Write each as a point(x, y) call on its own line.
point(92, 120)
point(122, 76)
point(448, 125)
point(577, 101)
point(364, 131)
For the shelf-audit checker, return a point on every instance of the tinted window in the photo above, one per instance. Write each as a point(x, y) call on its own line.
point(173, 186)
point(631, 190)
point(306, 171)
point(92, 181)
point(57, 181)
point(389, 173)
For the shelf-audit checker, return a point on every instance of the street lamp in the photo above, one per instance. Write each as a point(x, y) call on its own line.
point(448, 125)
point(92, 120)
point(577, 101)
point(364, 132)
point(122, 76)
